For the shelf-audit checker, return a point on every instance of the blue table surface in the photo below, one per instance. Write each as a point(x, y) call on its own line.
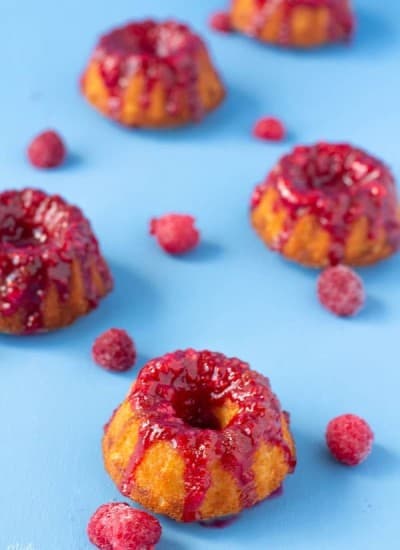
point(231, 295)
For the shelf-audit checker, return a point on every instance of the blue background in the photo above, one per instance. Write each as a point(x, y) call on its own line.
point(230, 295)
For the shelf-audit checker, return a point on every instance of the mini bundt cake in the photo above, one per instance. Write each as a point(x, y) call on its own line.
point(153, 75)
point(327, 204)
point(294, 23)
point(51, 268)
point(199, 437)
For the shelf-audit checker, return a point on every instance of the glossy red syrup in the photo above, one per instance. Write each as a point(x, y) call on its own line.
point(40, 236)
point(219, 523)
point(338, 184)
point(276, 494)
point(175, 394)
point(159, 52)
point(341, 17)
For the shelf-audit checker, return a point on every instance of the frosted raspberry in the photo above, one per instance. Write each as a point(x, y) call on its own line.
point(270, 129)
point(221, 21)
point(349, 439)
point(175, 233)
point(114, 350)
point(47, 150)
point(341, 291)
point(117, 526)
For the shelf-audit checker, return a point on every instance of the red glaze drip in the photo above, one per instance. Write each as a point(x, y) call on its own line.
point(338, 184)
point(159, 52)
point(175, 396)
point(219, 523)
point(276, 494)
point(40, 236)
point(341, 17)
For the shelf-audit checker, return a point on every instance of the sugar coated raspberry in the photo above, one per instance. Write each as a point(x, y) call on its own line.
point(175, 233)
point(341, 291)
point(118, 526)
point(47, 150)
point(269, 129)
point(114, 350)
point(221, 21)
point(349, 439)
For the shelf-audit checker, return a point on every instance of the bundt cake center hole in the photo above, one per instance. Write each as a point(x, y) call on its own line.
point(21, 234)
point(327, 174)
point(150, 40)
point(195, 408)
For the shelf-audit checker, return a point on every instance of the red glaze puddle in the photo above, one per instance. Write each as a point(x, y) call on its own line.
point(341, 18)
point(338, 184)
point(159, 52)
point(276, 494)
point(219, 523)
point(40, 235)
point(174, 395)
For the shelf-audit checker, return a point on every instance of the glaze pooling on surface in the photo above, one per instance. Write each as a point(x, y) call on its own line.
point(338, 184)
point(159, 52)
point(40, 237)
point(176, 398)
point(341, 21)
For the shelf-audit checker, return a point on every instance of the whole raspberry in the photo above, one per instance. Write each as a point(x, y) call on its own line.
point(47, 150)
point(175, 233)
point(117, 526)
point(269, 129)
point(221, 21)
point(114, 350)
point(341, 291)
point(349, 439)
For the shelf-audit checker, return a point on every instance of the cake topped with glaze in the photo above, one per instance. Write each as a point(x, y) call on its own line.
point(51, 268)
point(200, 436)
point(327, 204)
point(152, 74)
point(149, 41)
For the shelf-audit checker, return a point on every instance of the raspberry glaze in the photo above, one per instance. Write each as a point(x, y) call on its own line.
point(160, 52)
point(338, 184)
point(40, 237)
point(174, 397)
point(341, 18)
